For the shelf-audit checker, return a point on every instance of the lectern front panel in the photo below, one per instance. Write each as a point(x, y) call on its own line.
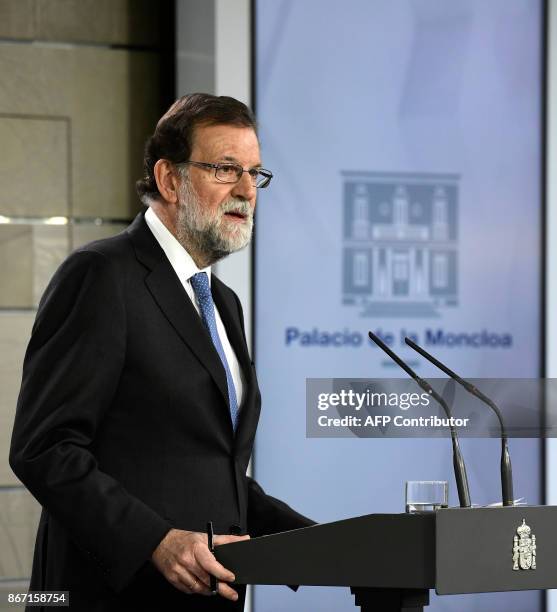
point(481, 550)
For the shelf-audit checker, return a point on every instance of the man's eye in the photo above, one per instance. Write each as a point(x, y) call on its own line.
point(253, 172)
point(228, 169)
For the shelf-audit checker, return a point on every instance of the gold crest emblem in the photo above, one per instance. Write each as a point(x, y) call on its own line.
point(524, 548)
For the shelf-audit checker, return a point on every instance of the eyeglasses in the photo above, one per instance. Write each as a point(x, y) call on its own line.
point(232, 173)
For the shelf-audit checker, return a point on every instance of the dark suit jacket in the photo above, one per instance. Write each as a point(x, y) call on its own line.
point(123, 428)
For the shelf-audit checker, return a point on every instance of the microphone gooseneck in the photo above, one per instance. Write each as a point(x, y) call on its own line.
point(458, 461)
point(506, 467)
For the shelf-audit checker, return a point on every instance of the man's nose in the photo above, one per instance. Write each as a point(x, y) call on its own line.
point(245, 188)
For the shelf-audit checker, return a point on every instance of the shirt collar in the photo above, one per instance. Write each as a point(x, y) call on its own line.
point(180, 260)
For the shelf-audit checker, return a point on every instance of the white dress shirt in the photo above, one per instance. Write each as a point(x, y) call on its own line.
point(185, 268)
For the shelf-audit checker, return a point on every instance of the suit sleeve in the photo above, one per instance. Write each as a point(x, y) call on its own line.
point(71, 372)
point(267, 514)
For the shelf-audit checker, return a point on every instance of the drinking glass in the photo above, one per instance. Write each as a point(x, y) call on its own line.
point(426, 495)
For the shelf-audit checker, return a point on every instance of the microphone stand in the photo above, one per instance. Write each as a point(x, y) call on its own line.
point(506, 467)
point(458, 461)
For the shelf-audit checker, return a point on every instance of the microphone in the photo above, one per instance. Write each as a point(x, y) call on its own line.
point(458, 462)
point(506, 467)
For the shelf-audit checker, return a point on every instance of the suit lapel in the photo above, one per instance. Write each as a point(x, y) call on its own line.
point(227, 308)
point(168, 292)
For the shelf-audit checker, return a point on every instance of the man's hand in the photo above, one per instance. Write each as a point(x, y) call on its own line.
point(185, 560)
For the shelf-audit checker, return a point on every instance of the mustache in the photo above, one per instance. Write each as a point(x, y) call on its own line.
point(237, 205)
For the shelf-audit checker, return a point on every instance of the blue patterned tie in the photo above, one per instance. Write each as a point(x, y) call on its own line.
point(200, 284)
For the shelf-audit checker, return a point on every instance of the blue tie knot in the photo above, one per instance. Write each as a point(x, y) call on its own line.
point(200, 284)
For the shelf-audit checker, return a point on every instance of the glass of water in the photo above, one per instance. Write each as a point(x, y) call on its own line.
point(426, 495)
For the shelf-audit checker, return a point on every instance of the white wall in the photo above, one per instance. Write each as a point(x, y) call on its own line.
point(551, 270)
point(195, 46)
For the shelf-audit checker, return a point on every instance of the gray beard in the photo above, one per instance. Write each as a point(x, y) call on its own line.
point(204, 235)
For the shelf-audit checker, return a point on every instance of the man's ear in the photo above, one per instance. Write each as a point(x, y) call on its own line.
point(167, 180)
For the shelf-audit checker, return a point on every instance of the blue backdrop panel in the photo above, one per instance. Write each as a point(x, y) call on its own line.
point(405, 140)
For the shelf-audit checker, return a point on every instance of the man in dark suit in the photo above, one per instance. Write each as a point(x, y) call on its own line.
point(139, 401)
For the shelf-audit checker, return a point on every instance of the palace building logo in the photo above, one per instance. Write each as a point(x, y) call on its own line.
point(400, 246)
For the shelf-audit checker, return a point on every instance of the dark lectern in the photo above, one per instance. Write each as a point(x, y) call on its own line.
point(391, 561)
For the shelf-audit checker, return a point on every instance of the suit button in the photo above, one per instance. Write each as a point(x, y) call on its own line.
point(235, 529)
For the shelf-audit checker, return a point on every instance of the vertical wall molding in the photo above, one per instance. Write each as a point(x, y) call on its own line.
point(551, 254)
point(233, 78)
